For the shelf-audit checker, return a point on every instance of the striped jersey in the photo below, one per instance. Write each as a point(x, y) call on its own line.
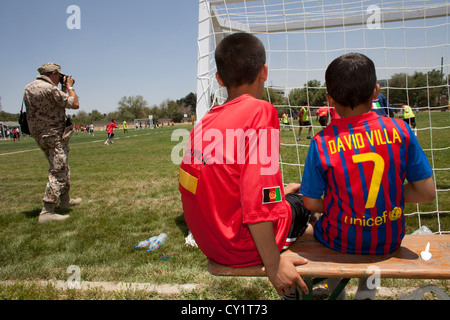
point(360, 164)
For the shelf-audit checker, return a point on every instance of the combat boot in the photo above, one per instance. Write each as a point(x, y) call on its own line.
point(66, 202)
point(48, 214)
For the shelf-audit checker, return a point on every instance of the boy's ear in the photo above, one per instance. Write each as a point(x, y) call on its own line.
point(376, 92)
point(330, 100)
point(219, 80)
point(264, 73)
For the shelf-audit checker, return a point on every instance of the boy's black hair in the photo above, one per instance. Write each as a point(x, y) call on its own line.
point(351, 79)
point(239, 58)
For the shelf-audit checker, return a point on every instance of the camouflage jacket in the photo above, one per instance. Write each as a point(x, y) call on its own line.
point(46, 107)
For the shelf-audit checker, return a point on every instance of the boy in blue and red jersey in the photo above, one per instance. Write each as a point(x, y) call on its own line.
point(359, 163)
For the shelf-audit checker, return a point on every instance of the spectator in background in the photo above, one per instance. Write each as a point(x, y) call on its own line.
point(382, 107)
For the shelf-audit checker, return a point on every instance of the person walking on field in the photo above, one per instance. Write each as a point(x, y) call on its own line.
point(285, 121)
point(16, 135)
point(409, 117)
point(91, 129)
point(46, 108)
point(110, 127)
point(303, 120)
point(125, 130)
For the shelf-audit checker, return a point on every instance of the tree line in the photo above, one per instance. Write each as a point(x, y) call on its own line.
point(130, 108)
point(418, 90)
point(136, 107)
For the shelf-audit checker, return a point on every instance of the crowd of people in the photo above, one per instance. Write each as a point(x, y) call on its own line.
point(13, 134)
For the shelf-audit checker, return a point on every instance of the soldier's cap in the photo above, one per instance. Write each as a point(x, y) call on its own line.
point(50, 67)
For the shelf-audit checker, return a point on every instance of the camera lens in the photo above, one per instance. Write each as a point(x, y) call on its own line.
point(63, 79)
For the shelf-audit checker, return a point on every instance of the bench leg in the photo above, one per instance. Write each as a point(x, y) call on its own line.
point(300, 295)
point(337, 291)
point(310, 282)
point(418, 294)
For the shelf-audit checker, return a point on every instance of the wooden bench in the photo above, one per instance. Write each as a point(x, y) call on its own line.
point(325, 263)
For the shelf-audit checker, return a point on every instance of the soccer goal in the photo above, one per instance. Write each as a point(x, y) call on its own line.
point(144, 123)
point(407, 40)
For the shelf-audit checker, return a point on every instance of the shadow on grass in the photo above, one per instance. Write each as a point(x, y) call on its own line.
point(181, 224)
point(35, 212)
point(32, 213)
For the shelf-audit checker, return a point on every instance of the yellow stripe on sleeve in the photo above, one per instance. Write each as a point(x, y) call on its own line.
point(188, 181)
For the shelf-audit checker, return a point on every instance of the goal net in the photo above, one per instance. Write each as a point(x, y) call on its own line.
point(407, 40)
point(144, 123)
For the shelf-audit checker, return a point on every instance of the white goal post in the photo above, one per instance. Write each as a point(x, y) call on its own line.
point(144, 123)
point(408, 40)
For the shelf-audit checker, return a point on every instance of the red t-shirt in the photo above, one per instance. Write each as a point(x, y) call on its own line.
point(111, 127)
point(323, 111)
point(223, 188)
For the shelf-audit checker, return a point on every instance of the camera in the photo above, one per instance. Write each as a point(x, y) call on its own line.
point(63, 80)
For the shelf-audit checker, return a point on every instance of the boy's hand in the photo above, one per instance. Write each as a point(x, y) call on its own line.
point(286, 276)
point(291, 188)
point(279, 269)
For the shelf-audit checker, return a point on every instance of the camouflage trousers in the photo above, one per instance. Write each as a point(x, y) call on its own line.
point(56, 150)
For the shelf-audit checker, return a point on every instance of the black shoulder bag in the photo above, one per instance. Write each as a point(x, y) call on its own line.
point(23, 121)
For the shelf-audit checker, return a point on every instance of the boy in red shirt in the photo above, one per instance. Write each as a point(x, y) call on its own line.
point(16, 135)
point(233, 198)
point(110, 127)
point(323, 114)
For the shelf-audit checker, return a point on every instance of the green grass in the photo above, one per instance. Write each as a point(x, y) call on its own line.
point(130, 192)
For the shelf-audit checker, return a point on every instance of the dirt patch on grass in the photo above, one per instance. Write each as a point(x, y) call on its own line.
point(111, 286)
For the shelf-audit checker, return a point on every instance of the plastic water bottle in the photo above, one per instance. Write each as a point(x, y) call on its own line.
point(145, 243)
point(158, 242)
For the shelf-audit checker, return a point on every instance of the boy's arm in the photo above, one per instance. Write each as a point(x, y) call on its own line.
point(420, 191)
point(314, 205)
point(279, 269)
point(291, 188)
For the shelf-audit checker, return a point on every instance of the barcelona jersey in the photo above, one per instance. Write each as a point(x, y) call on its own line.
point(359, 165)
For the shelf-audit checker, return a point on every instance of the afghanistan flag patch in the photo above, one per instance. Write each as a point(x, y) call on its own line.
point(271, 195)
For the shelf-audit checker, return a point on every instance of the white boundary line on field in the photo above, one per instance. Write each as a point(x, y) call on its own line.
point(112, 286)
point(95, 141)
point(15, 152)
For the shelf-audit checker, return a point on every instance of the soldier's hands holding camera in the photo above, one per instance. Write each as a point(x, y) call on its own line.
point(66, 82)
point(70, 81)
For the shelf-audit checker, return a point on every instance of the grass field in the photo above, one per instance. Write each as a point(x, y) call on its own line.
point(130, 192)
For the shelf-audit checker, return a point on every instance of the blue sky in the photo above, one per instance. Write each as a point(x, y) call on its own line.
point(149, 48)
point(124, 48)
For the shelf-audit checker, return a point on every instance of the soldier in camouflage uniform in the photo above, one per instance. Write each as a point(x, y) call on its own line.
point(46, 114)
